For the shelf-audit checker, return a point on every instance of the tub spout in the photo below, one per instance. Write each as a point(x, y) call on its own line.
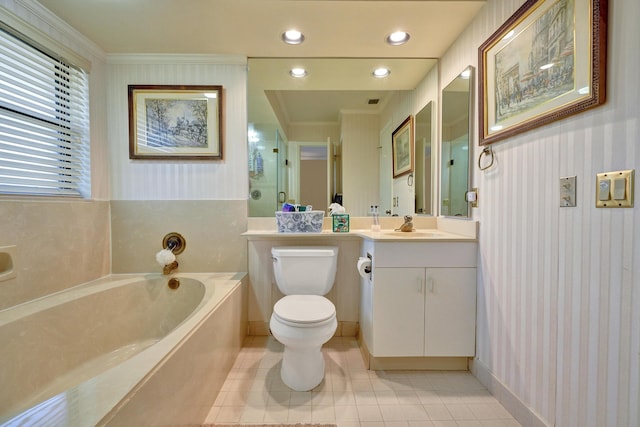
point(169, 268)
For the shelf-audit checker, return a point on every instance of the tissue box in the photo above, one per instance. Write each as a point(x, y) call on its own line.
point(299, 222)
point(341, 223)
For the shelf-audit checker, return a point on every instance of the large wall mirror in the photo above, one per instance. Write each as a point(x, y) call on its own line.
point(296, 129)
point(455, 147)
point(423, 164)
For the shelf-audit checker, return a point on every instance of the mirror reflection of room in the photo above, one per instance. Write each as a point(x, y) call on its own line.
point(454, 177)
point(423, 167)
point(340, 109)
point(267, 161)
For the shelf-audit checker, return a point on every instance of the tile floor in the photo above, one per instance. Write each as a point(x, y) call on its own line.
point(350, 395)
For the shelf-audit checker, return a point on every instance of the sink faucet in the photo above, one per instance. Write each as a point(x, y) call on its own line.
point(408, 224)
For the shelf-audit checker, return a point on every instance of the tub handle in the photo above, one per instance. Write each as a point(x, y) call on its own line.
point(174, 242)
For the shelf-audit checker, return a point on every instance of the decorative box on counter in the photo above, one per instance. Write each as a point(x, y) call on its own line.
point(299, 222)
point(340, 223)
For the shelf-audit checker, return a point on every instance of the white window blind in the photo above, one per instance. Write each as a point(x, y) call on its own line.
point(44, 121)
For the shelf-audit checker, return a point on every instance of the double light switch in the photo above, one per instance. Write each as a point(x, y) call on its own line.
point(614, 189)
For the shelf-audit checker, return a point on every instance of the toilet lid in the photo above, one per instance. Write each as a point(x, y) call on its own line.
point(304, 308)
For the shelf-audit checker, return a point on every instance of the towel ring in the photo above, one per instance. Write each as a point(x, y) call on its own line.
point(488, 151)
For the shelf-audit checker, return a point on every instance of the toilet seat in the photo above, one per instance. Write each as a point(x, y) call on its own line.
point(304, 310)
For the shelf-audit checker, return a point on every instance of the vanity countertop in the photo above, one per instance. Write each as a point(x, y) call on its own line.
point(437, 230)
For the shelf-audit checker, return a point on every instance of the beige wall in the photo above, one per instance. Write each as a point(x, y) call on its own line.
point(211, 229)
point(313, 184)
point(360, 161)
point(59, 244)
point(264, 292)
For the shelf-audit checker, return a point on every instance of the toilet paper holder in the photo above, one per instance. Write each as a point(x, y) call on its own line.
point(364, 266)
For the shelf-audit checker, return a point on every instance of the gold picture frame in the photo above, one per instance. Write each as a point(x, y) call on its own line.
point(168, 122)
point(546, 62)
point(402, 148)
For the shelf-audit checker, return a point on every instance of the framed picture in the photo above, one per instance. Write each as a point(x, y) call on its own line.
point(548, 61)
point(175, 122)
point(402, 148)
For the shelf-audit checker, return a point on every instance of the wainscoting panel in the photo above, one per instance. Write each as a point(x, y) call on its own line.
point(559, 288)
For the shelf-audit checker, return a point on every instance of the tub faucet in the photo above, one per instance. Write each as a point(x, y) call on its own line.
point(169, 268)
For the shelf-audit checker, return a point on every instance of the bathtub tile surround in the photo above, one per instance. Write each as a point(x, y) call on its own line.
point(212, 230)
point(350, 395)
point(58, 244)
point(133, 351)
point(180, 392)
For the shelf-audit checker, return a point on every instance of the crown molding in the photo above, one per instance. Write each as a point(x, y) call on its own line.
point(169, 58)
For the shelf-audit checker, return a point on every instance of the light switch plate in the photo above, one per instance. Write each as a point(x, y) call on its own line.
point(618, 185)
point(568, 192)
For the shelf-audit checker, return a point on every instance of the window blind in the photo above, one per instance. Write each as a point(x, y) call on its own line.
point(44, 122)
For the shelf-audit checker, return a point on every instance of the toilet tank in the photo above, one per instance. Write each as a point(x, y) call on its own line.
point(304, 270)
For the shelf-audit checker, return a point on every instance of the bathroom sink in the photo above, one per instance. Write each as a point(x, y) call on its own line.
point(410, 234)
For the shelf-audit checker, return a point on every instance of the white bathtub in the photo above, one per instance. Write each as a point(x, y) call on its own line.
point(122, 350)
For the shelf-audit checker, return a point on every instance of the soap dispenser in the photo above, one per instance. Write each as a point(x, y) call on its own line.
point(374, 209)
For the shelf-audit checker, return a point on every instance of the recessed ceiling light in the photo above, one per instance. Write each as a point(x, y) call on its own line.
point(466, 73)
point(381, 72)
point(397, 38)
point(298, 72)
point(292, 37)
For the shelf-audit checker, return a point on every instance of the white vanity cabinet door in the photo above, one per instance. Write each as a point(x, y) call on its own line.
point(450, 312)
point(398, 312)
point(423, 312)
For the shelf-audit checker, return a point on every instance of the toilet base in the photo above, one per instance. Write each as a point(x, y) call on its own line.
point(302, 369)
point(302, 360)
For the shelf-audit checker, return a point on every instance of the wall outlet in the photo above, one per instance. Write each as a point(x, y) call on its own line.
point(568, 192)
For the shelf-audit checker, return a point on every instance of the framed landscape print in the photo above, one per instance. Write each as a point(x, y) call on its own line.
point(174, 122)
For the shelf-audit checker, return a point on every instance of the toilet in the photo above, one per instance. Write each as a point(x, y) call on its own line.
point(303, 320)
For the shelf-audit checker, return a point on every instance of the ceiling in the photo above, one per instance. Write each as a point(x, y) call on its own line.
point(333, 85)
point(342, 29)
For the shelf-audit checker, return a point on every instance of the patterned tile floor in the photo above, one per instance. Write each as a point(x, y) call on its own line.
point(350, 395)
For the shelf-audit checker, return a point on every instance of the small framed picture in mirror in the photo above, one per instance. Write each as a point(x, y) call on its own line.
point(402, 148)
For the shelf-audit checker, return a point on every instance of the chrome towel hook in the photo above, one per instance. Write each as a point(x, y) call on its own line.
point(487, 151)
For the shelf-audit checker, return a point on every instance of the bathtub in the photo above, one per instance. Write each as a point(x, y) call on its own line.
point(122, 350)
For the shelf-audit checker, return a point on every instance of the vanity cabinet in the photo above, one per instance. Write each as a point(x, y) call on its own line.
point(424, 312)
point(422, 300)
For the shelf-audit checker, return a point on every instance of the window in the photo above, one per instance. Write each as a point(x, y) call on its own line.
point(44, 121)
